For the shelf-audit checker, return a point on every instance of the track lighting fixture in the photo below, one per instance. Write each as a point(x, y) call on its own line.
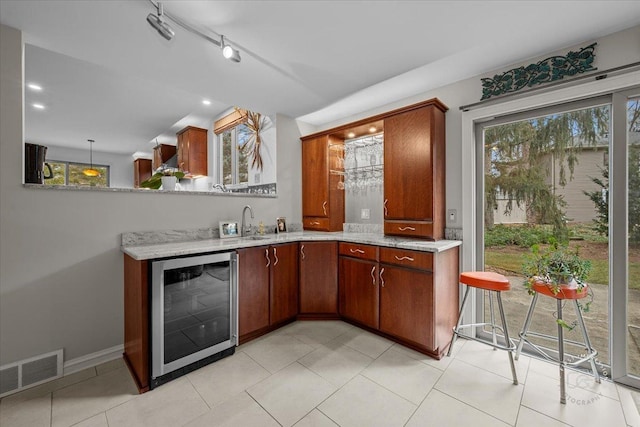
point(167, 32)
point(229, 52)
point(159, 24)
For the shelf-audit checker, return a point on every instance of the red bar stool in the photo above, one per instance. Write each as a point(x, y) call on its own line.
point(493, 283)
point(569, 293)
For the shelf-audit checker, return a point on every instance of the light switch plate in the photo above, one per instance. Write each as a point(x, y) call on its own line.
point(451, 215)
point(365, 213)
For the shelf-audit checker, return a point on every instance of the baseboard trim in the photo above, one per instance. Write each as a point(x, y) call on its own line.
point(93, 359)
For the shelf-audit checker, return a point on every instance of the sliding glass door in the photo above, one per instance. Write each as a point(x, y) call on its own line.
point(567, 175)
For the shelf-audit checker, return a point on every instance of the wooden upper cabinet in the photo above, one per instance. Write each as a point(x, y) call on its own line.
point(322, 200)
point(141, 171)
point(414, 172)
point(192, 151)
point(161, 154)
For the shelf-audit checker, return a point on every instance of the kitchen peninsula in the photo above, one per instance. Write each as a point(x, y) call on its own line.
point(401, 288)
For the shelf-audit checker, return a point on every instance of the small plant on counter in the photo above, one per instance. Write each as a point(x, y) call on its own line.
point(155, 181)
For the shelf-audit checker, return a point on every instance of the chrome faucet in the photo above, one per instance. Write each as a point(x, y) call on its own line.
point(220, 187)
point(243, 228)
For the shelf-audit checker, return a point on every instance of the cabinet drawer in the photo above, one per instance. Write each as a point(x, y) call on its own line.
point(409, 228)
point(359, 251)
point(315, 223)
point(403, 257)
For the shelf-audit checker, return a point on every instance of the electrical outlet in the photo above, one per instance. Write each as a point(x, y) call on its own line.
point(451, 215)
point(365, 213)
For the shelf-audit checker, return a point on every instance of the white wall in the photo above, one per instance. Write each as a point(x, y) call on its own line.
point(61, 273)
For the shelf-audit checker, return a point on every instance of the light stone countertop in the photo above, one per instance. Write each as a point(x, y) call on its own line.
point(192, 247)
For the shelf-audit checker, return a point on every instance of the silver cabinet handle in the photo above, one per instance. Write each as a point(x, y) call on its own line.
point(406, 228)
point(386, 211)
point(404, 258)
point(373, 277)
point(266, 254)
point(381, 278)
point(275, 255)
point(356, 251)
point(302, 251)
point(324, 207)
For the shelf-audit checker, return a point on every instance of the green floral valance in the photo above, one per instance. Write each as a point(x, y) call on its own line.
point(547, 70)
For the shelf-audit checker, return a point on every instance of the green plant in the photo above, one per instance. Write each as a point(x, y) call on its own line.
point(557, 266)
point(156, 179)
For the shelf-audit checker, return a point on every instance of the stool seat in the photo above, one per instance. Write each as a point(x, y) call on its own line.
point(493, 283)
point(485, 280)
point(565, 292)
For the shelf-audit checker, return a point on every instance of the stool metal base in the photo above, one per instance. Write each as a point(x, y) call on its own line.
point(560, 360)
point(509, 345)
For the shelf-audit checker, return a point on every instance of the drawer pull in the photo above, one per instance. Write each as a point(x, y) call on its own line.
point(275, 255)
point(386, 211)
point(266, 254)
point(302, 252)
point(406, 228)
point(315, 223)
point(324, 207)
point(404, 258)
point(373, 278)
point(381, 278)
point(356, 251)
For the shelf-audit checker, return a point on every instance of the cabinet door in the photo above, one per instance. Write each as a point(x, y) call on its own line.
point(406, 304)
point(141, 171)
point(315, 178)
point(253, 289)
point(319, 277)
point(192, 151)
point(358, 287)
point(408, 181)
point(284, 282)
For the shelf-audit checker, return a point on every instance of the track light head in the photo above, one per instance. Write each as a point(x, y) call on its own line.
point(229, 52)
point(159, 24)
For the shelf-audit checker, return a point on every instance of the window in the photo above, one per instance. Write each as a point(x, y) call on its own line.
point(70, 173)
point(233, 160)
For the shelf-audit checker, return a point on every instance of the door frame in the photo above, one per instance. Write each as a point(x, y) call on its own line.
point(472, 225)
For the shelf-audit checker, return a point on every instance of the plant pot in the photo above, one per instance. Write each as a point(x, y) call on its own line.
point(569, 290)
point(169, 183)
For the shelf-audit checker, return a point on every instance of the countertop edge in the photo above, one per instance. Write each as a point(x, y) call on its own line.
point(193, 247)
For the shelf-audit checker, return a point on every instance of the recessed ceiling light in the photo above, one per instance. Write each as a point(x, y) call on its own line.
point(372, 129)
point(351, 134)
point(38, 106)
point(206, 102)
point(34, 86)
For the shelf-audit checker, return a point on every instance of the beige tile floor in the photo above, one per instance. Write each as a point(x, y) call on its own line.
point(327, 374)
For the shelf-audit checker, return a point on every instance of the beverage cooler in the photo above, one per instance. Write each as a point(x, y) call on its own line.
point(194, 313)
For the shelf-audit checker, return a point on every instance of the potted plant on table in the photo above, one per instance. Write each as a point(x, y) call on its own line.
point(167, 178)
point(559, 269)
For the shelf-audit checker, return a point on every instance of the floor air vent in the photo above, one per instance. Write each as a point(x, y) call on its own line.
point(30, 372)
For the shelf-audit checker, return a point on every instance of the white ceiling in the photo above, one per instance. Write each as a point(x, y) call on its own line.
point(123, 85)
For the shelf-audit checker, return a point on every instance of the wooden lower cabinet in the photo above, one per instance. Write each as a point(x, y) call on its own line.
point(409, 296)
point(253, 290)
point(359, 296)
point(318, 279)
point(284, 283)
point(406, 304)
point(267, 288)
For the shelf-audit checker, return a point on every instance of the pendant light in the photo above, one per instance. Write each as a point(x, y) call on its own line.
point(91, 171)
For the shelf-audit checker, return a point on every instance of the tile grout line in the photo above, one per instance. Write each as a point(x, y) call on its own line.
point(263, 408)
